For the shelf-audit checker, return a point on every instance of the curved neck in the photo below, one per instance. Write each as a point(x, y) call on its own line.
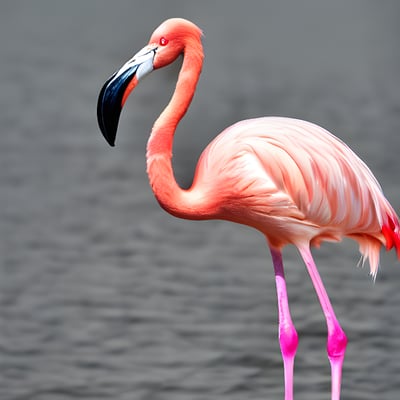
point(172, 198)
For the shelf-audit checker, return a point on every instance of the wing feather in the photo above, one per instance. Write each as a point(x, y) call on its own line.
point(299, 172)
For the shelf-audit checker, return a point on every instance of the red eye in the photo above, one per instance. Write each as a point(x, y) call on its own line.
point(163, 41)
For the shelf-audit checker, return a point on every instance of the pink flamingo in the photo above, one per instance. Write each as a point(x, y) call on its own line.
point(290, 179)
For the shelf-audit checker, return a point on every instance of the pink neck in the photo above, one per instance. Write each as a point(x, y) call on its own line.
point(171, 197)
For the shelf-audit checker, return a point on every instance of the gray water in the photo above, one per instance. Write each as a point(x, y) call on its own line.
point(105, 296)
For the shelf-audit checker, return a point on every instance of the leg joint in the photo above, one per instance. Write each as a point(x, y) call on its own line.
point(288, 340)
point(336, 344)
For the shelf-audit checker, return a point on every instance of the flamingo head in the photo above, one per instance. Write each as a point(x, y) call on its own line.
point(166, 44)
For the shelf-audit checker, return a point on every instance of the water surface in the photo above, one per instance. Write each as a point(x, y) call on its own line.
point(102, 294)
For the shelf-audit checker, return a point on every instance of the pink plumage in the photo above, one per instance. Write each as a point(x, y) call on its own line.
point(296, 182)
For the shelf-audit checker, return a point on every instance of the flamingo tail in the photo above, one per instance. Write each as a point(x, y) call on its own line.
point(369, 247)
point(391, 232)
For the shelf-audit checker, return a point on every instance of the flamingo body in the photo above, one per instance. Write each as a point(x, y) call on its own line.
point(292, 180)
point(295, 182)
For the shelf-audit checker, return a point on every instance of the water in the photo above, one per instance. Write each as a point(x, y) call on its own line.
point(102, 294)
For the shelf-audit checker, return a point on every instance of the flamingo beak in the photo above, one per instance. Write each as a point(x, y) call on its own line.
point(117, 88)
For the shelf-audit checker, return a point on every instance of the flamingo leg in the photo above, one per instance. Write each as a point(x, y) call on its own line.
point(287, 333)
point(337, 340)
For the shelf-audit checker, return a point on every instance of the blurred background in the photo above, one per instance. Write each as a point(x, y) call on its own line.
point(105, 296)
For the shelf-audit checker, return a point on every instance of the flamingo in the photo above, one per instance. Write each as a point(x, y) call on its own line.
point(290, 179)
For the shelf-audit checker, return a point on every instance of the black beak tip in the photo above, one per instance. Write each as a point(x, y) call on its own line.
point(108, 113)
point(109, 103)
point(109, 132)
point(110, 142)
point(108, 128)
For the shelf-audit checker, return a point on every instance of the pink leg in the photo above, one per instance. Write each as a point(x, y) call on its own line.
point(287, 332)
point(337, 340)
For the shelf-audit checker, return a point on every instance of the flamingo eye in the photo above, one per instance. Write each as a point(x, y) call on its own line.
point(163, 41)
